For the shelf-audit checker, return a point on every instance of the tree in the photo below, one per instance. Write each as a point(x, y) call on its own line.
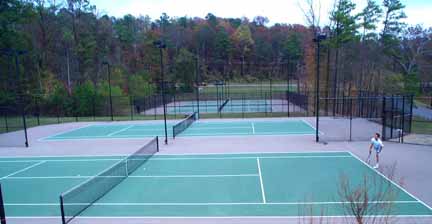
point(393, 10)
point(292, 53)
point(260, 20)
point(244, 42)
point(344, 30)
point(369, 18)
point(185, 70)
point(211, 20)
point(140, 85)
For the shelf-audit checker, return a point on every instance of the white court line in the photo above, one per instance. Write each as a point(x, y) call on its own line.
point(22, 170)
point(121, 130)
point(261, 181)
point(62, 160)
point(138, 176)
point(310, 125)
point(188, 158)
point(215, 203)
point(195, 128)
point(225, 134)
point(63, 132)
point(79, 138)
point(391, 181)
point(140, 136)
point(251, 157)
point(182, 154)
point(215, 217)
point(253, 127)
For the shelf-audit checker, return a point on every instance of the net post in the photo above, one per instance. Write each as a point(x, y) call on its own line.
point(157, 143)
point(62, 210)
point(173, 133)
point(2, 210)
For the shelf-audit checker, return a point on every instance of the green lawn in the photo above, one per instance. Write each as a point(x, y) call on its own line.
point(421, 126)
point(250, 89)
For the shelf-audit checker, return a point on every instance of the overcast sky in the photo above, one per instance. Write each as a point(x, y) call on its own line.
point(278, 11)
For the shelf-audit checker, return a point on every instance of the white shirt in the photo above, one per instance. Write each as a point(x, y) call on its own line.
point(377, 143)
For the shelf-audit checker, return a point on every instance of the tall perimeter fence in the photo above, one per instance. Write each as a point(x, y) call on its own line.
point(351, 117)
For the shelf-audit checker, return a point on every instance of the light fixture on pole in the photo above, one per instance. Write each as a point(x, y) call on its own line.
point(161, 45)
point(319, 37)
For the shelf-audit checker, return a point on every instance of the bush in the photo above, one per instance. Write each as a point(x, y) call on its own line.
point(140, 85)
point(84, 99)
point(412, 84)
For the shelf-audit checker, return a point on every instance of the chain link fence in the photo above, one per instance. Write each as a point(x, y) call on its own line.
point(355, 117)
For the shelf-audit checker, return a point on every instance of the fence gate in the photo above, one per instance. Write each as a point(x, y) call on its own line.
point(397, 117)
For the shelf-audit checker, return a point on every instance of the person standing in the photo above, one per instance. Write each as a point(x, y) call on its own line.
point(377, 145)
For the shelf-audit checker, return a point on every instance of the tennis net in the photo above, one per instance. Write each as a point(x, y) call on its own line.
point(2, 209)
point(184, 124)
point(74, 201)
point(223, 105)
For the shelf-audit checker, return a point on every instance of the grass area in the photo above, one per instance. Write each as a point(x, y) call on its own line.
point(424, 102)
point(254, 89)
point(251, 115)
point(421, 126)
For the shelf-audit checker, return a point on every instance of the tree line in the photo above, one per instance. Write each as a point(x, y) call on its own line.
point(69, 43)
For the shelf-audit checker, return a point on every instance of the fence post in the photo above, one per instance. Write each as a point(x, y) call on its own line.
point(271, 97)
point(94, 107)
point(288, 103)
point(351, 117)
point(38, 112)
point(145, 104)
point(58, 114)
point(411, 112)
point(75, 109)
point(392, 117)
point(6, 121)
point(154, 106)
point(2, 210)
point(243, 105)
point(384, 118)
point(131, 106)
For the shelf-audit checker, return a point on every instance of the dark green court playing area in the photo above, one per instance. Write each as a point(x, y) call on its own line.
point(212, 185)
point(233, 106)
point(198, 128)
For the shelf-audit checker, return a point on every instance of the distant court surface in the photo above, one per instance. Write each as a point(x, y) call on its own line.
point(210, 185)
point(198, 128)
point(233, 106)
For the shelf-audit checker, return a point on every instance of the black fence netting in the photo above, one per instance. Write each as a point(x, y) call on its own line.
point(357, 114)
point(13, 127)
point(420, 131)
point(349, 118)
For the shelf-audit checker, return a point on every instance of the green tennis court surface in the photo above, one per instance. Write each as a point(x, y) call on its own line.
point(212, 185)
point(198, 128)
point(211, 106)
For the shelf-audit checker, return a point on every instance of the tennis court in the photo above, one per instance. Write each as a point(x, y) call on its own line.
point(232, 106)
point(198, 128)
point(211, 185)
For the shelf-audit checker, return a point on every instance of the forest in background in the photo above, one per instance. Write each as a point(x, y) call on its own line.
point(66, 43)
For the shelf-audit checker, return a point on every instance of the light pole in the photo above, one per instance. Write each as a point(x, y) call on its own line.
point(197, 82)
point(161, 45)
point(319, 37)
point(109, 88)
